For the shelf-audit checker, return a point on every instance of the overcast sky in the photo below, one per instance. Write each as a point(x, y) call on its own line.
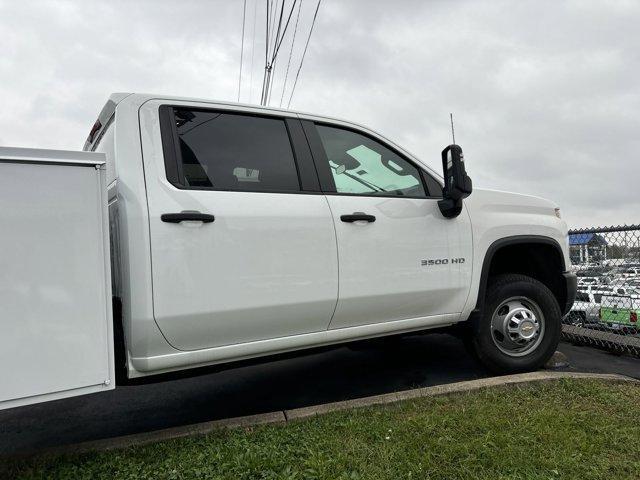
point(545, 94)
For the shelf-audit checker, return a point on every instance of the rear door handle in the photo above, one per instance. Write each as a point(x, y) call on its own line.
point(357, 216)
point(187, 216)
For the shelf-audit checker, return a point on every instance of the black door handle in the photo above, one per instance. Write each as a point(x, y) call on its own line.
point(187, 217)
point(354, 217)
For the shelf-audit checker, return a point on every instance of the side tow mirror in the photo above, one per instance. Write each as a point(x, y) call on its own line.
point(457, 184)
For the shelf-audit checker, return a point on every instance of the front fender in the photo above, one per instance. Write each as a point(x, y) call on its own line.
point(500, 219)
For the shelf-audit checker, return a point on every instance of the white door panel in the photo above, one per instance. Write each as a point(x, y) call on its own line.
point(265, 268)
point(410, 261)
point(382, 276)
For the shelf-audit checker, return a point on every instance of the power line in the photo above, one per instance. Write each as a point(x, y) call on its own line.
point(293, 41)
point(274, 9)
point(244, 14)
point(272, 46)
point(278, 42)
point(315, 15)
point(273, 41)
point(253, 48)
point(275, 53)
point(266, 53)
point(279, 27)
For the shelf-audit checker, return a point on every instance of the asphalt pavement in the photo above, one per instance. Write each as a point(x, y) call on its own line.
point(325, 376)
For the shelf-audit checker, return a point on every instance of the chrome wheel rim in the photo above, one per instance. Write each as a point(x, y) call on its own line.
point(517, 326)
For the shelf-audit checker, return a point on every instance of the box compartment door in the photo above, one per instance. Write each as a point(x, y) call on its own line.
point(55, 293)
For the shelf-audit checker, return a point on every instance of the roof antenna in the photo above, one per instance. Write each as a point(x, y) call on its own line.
point(453, 133)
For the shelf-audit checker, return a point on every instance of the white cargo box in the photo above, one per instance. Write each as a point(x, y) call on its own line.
point(55, 290)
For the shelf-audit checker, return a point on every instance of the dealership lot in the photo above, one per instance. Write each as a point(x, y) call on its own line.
point(606, 261)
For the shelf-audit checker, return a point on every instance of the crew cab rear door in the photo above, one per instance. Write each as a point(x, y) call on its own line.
point(242, 240)
point(399, 257)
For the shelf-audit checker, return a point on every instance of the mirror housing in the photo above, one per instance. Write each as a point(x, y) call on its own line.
point(457, 184)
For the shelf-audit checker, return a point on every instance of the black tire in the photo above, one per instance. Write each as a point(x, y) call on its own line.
point(501, 288)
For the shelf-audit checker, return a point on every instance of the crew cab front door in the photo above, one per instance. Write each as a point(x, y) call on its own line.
point(399, 258)
point(242, 241)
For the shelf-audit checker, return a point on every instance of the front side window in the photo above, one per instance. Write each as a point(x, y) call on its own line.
point(229, 151)
point(360, 165)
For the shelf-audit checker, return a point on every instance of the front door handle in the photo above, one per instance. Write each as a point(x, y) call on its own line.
point(187, 216)
point(357, 216)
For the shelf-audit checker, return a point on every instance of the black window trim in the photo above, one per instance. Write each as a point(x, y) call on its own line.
point(322, 163)
point(308, 182)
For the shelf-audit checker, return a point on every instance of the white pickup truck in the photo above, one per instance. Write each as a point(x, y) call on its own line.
point(193, 233)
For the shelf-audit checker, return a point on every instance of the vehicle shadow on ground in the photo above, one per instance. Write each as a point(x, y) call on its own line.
point(360, 370)
point(366, 368)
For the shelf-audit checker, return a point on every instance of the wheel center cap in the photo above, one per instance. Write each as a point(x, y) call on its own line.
point(527, 329)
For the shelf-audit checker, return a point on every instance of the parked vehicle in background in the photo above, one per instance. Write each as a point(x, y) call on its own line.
point(587, 281)
point(633, 283)
point(597, 281)
point(595, 271)
point(586, 307)
point(605, 280)
point(585, 311)
point(620, 313)
point(607, 259)
point(626, 272)
point(625, 289)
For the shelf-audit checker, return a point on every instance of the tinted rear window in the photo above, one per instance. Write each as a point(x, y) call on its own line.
point(228, 151)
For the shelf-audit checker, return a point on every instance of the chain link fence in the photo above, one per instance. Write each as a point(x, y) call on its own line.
point(605, 312)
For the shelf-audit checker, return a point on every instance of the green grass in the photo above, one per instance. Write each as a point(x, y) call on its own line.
point(566, 429)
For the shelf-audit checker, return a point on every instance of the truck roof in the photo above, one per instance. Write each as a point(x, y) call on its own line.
point(140, 98)
point(143, 97)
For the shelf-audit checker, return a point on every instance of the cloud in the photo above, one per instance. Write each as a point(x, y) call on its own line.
point(544, 93)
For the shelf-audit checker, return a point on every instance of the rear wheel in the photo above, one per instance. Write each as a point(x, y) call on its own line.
point(520, 327)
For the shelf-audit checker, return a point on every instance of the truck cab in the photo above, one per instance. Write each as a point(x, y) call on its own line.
point(239, 231)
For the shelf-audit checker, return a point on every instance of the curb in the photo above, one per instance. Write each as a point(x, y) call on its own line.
point(459, 387)
point(138, 439)
point(284, 416)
